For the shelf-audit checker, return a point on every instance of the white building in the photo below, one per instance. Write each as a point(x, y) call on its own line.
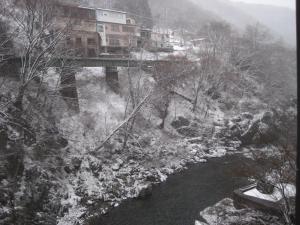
point(110, 16)
point(116, 30)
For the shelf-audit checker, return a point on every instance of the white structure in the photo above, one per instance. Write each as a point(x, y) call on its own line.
point(116, 29)
point(110, 16)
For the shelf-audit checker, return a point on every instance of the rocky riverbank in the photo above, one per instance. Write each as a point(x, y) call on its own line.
point(225, 213)
point(101, 181)
point(60, 177)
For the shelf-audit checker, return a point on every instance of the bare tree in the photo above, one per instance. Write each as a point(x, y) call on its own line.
point(168, 76)
point(37, 41)
point(218, 34)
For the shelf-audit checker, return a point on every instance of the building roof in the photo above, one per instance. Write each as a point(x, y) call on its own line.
point(199, 39)
point(112, 10)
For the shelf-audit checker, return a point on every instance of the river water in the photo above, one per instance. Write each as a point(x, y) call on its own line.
point(179, 200)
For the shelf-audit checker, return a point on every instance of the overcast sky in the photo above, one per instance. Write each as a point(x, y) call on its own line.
point(285, 3)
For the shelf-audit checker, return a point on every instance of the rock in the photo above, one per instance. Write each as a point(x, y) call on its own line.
point(194, 124)
point(151, 178)
point(3, 137)
point(67, 169)
point(247, 137)
point(216, 95)
point(62, 142)
point(146, 192)
point(145, 141)
point(120, 162)
point(247, 115)
point(267, 118)
point(260, 132)
point(180, 122)
point(226, 212)
point(76, 162)
point(265, 187)
point(235, 131)
point(188, 131)
point(197, 140)
point(115, 167)
point(213, 93)
point(236, 119)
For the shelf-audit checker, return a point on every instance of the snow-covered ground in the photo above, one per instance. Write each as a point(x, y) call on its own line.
point(288, 190)
point(224, 213)
point(109, 176)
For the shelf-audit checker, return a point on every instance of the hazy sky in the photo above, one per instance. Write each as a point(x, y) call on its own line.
point(285, 3)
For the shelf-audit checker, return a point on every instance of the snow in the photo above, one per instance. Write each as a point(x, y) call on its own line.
point(255, 193)
point(224, 213)
point(288, 189)
point(72, 217)
point(179, 48)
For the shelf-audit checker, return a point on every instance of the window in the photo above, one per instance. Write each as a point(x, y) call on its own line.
point(91, 41)
point(91, 15)
point(69, 41)
point(78, 41)
point(91, 52)
point(128, 29)
point(115, 27)
point(77, 22)
point(100, 28)
point(114, 42)
point(116, 15)
point(100, 13)
point(65, 12)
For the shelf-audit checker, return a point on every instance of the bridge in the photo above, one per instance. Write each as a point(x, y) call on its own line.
point(111, 64)
point(96, 62)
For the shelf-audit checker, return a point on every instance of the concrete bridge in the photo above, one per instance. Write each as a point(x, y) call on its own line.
point(68, 79)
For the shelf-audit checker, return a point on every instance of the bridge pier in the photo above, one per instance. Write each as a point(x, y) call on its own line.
point(112, 78)
point(68, 89)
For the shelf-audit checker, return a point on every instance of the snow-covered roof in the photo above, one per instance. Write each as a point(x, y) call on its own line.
point(198, 39)
point(111, 10)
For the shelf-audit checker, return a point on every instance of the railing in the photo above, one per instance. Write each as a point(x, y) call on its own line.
point(110, 61)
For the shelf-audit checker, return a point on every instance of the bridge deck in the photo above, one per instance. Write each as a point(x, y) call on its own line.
point(98, 62)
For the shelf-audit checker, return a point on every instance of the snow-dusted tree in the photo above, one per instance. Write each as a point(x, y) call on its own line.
point(37, 42)
point(256, 35)
point(205, 72)
point(168, 76)
point(217, 34)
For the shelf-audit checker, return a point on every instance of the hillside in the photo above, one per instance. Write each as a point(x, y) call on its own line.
point(191, 14)
point(282, 21)
point(77, 144)
point(179, 14)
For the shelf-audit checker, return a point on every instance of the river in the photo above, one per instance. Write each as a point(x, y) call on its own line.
point(179, 200)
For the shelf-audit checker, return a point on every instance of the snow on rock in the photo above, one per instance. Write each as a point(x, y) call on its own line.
point(200, 223)
point(289, 190)
point(73, 216)
point(225, 213)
